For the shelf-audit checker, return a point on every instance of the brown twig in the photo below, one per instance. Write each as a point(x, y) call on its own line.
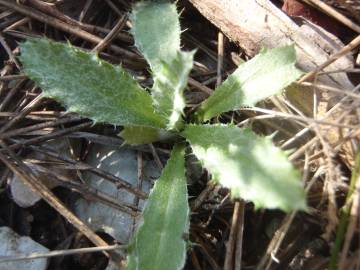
point(85, 10)
point(345, 50)
point(10, 95)
point(156, 156)
point(231, 244)
point(71, 29)
point(58, 253)
point(202, 196)
point(24, 130)
point(26, 110)
point(114, 8)
point(353, 221)
point(239, 238)
point(112, 34)
point(39, 188)
point(335, 14)
point(12, 77)
point(200, 86)
point(21, 143)
point(9, 51)
point(208, 256)
point(89, 192)
point(120, 183)
point(220, 58)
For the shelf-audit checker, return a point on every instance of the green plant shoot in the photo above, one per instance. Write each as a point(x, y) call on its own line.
point(236, 158)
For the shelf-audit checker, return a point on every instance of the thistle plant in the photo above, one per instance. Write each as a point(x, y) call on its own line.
point(248, 164)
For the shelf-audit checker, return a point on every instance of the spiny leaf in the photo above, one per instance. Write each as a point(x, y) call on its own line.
point(158, 242)
point(169, 84)
point(250, 165)
point(87, 85)
point(156, 30)
point(144, 135)
point(265, 75)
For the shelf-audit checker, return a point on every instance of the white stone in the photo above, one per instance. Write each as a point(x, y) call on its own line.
point(22, 195)
point(12, 244)
point(121, 162)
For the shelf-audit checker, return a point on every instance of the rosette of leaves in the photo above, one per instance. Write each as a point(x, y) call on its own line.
point(246, 163)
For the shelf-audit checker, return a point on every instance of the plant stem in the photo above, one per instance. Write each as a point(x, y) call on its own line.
point(344, 215)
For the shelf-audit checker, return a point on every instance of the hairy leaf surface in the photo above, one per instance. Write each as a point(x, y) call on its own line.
point(265, 75)
point(158, 242)
point(87, 85)
point(250, 165)
point(156, 30)
point(168, 89)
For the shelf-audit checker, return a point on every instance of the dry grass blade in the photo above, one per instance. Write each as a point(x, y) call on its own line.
point(329, 114)
point(120, 183)
point(299, 118)
point(335, 14)
point(32, 13)
point(345, 50)
point(231, 244)
point(240, 237)
point(89, 192)
point(278, 238)
point(220, 58)
point(112, 34)
point(348, 219)
point(12, 77)
point(16, 132)
point(10, 95)
point(28, 108)
point(9, 52)
point(28, 123)
point(353, 223)
point(44, 138)
point(57, 253)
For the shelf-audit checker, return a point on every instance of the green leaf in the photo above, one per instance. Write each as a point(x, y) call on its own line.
point(158, 242)
point(87, 85)
point(265, 75)
point(144, 135)
point(156, 30)
point(250, 165)
point(168, 90)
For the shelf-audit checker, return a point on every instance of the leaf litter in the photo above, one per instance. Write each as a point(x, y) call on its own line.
point(214, 208)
